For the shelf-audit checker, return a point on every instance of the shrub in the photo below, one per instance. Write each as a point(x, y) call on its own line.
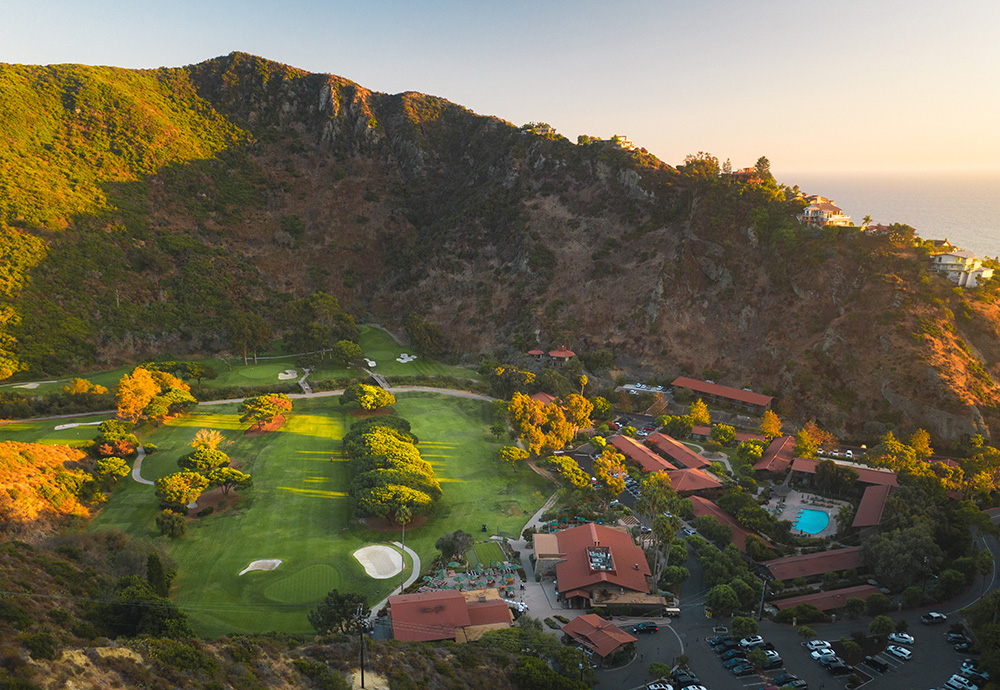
point(149, 448)
point(171, 524)
point(205, 511)
point(659, 670)
point(41, 645)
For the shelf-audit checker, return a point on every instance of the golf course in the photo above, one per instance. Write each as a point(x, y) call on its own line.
point(298, 510)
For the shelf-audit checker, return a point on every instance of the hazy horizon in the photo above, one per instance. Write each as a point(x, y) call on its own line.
point(857, 87)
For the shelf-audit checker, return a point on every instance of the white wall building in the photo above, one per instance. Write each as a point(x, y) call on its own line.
point(961, 267)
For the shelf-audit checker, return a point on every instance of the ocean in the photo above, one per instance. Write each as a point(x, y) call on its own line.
point(963, 207)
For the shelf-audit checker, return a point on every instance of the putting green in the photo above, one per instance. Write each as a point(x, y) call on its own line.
point(306, 586)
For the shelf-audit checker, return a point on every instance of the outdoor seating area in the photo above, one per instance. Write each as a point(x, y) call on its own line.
point(501, 574)
point(822, 502)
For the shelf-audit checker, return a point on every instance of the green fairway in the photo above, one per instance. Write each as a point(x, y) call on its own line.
point(381, 348)
point(485, 554)
point(299, 512)
point(45, 432)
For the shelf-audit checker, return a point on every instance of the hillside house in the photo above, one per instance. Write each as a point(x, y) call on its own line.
point(746, 176)
point(961, 267)
point(821, 212)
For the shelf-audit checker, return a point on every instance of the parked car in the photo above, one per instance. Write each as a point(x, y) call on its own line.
point(958, 682)
point(752, 640)
point(689, 532)
point(797, 684)
point(830, 660)
point(735, 654)
point(646, 627)
point(683, 678)
point(823, 653)
point(838, 669)
point(734, 662)
point(876, 664)
point(901, 638)
point(721, 649)
point(659, 686)
point(970, 666)
point(933, 618)
point(813, 645)
point(962, 646)
point(744, 669)
point(719, 639)
point(899, 652)
point(784, 679)
point(955, 637)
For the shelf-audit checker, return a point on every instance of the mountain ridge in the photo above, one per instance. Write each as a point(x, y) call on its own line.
point(179, 196)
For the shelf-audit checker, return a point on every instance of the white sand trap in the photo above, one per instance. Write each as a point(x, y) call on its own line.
point(380, 562)
point(266, 564)
point(288, 375)
point(369, 362)
point(76, 424)
point(33, 385)
point(405, 358)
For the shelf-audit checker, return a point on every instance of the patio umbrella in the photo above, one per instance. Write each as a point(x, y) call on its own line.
point(498, 564)
point(454, 564)
point(459, 578)
point(427, 578)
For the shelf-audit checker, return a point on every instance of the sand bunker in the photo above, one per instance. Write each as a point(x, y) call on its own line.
point(76, 424)
point(267, 564)
point(405, 358)
point(369, 362)
point(33, 385)
point(288, 375)
point(380, 562)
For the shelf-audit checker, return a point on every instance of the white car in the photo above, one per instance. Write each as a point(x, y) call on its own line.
point(901, 638)
point(899, 652)
point(960, 683)
point(747, 641)
point(813, 645)
point(823, 653)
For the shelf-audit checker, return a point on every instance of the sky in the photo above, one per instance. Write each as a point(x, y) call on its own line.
point(816, 86)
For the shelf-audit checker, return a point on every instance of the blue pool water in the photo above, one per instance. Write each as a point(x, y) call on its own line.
point(812, 521)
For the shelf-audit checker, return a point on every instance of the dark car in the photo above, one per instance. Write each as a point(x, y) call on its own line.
point(785, 679)
point(735, 661)
point(682, 678)
point(876, 664)
point(797, 684)
point(838, 669)
point(743, 670)
point(735, 654)
point(726, 646)
point(955, 638)
point(962, 646)
point(719, 639)
point(773, 663)
point(761, 645)
point(645, 627)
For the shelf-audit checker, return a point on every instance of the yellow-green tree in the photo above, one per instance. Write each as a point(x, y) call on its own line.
point(133, 392)
point(610, 471)
point(208, 438)
point(770, 425)
point(920, 442)
point(699, 413)
point(578, 410)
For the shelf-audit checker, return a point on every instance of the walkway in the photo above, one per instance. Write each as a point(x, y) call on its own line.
point(137, 467)
point(414, 574)
point(303, 385)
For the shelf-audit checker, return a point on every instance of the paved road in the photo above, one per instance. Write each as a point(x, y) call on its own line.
point(140, 454)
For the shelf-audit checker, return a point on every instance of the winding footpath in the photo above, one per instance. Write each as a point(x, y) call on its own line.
point(137, 467)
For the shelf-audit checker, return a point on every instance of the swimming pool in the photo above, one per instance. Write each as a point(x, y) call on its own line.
point(812, 521)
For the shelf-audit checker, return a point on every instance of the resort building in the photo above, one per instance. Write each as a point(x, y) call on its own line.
point(448, 615)
point(679, 454)
point(601, 637)
point(777, 457)
point(687, 482)
point(597, 567)
point(813, 564)
point(806, 467)
point(962, 268)
point(639, 454)
point(713, 392)
point(543, 398)
point(826, 601)
point(870, 510)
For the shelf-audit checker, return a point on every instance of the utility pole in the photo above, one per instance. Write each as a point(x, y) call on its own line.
point(360, 619)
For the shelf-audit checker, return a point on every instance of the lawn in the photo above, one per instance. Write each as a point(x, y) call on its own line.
point(299, 512)
point(376, 344)
point(45, 432)
point(485, 554)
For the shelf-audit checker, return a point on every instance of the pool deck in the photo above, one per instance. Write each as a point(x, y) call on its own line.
point(791, 507)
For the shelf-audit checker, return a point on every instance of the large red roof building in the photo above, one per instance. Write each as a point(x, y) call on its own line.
point(755, 402)
point(679, 454)
point(639, 454)
point(777, 457)
point(811, 564)
point(447, 615)
point(602, 637)
point(686, 482)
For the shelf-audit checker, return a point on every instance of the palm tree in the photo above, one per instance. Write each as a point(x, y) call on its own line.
point(866, 221)
point(403, 516)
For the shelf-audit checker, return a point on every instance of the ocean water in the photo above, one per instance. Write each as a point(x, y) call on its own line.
point(964, 207)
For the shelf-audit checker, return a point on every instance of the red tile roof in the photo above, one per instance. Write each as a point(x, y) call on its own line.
point(536, 352)
point(439, 615)
point(872, 504)
point(866, 475)
point(702, 506)
point(575, 571)
point(826, 601)
point(562, 353)
point(810, 564)
point(778, 456)
point(692, 480)
point(741, 436)
point(722, 391)
point(677, 451)
point(640, 454)
point(543, 398)
point(595, 633)
point(428, 616)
